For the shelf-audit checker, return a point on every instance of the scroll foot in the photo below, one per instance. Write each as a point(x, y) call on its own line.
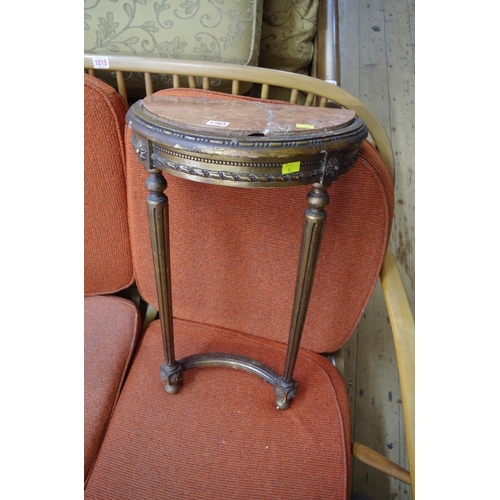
point(172, 376)
point(285, 392)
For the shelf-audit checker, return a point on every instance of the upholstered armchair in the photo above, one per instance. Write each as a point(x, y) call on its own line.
point(112, 323)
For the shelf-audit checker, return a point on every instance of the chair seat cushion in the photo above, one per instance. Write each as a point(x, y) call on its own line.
point(221, 436)
point(111, 329)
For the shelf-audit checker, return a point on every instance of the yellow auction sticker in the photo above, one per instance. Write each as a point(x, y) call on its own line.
point(303, 125)
point(289, 168)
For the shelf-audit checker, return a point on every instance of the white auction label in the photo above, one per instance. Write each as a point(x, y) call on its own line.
point(100, 62)
point(217, 124)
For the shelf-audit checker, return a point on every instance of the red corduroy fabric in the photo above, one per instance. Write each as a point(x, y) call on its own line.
point(234, 255)
point(108, 262)
point(221, 436)
point(111, 330)
point(112, 324)
point(234, 252)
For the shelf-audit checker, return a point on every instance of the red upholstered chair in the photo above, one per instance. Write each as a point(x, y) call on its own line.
point(234, 256)
point(112, 323)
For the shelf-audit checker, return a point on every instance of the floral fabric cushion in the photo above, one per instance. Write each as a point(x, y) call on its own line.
point(216, 30)
point(288, 32)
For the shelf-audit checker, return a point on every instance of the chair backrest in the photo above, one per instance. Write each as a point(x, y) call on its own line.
point(108, 259)
point(234, 252)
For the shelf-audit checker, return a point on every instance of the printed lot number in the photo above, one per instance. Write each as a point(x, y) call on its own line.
point(100, 62)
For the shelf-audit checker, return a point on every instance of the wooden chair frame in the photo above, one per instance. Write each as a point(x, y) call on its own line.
point(317, 93)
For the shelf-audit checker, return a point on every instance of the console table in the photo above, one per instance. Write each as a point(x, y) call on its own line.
point(249, 144)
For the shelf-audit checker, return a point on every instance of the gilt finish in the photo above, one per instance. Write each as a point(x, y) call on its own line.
point(223, 152)
point(260, 148)
point(157, 204)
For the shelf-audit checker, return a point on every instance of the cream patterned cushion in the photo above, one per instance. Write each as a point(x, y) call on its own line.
point(204, 30)
point(288, 32)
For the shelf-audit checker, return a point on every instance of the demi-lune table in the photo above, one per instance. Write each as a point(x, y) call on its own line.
point(249, 144)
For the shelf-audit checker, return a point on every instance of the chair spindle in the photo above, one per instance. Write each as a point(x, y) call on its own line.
point(122, 88)
point(148, 80)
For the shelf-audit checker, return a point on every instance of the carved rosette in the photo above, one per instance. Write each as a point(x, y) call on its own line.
point(339, 164)
point(140, 147)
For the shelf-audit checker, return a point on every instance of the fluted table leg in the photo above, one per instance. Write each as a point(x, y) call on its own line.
point(314, 221)
point(157, 203)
